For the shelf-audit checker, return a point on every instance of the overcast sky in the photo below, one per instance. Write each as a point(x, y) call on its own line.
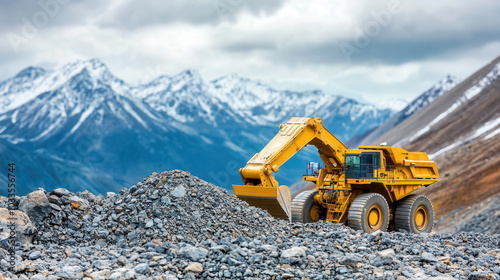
point(368, 49)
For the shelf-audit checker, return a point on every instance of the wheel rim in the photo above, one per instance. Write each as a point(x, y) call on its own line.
point(421, 218)
point(314, 213)
point(374, 217)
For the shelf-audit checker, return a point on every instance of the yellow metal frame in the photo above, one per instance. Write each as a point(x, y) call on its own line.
point(412, 170)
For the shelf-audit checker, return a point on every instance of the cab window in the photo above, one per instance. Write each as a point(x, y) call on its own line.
point(362, 166)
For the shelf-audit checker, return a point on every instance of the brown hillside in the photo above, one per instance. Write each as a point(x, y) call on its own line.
point(469, 175)
point(468, 162)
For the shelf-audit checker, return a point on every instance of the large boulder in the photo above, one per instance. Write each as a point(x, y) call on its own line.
point(19, 222)
point(36, 205)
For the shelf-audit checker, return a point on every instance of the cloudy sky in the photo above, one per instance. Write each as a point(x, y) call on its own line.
point(370, 49)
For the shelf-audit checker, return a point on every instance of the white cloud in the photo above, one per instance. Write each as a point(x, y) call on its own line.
point(288, 44)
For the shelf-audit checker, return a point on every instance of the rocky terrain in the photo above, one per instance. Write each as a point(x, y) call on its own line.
point(480, 217)
point(172, 225)
point(487, 220)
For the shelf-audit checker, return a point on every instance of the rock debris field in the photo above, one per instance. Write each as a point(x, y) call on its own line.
point(173, 225)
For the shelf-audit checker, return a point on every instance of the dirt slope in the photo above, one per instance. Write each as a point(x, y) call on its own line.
point(460, 130)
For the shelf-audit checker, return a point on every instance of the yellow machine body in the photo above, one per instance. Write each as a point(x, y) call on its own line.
point(390, 171)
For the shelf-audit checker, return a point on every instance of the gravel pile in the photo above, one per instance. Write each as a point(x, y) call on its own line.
point(488, 221)
point(168, 206)
point(175, 226)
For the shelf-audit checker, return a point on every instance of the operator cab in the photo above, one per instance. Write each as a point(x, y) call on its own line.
point(362, 165)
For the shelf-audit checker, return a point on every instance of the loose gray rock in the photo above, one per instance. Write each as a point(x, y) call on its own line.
point(166, 199)
point(294, 252)
point(70, 272)
point(179, 192)
point(34, 255)
point(428, 257)
point(122, 274)
point(148, 233)
point(18, 221)
point(61, 192)
point(36, 205)
point(110, 194)
point(193, 253)
point(142, 268)
point(387, 253)
point(195, 267)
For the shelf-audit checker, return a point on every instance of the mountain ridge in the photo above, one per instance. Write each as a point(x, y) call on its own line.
point(460, 131)
point(83, 114)
point(375, 136)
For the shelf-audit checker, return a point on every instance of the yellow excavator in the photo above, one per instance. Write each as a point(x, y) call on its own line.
point(368, 188)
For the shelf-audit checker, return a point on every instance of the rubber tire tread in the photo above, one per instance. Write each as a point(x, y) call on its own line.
point(301, 205)
point(359, 209)
point(406, 209)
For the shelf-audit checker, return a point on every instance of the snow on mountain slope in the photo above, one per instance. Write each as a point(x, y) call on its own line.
point(392, 104)
point(17, 90)
point(81, 113)
point(375, 137)
point(240, 92)
point(444, 85)
point(491, 127)
point(233, 101)
point(186, 99)
point(468, 94)
point(68, 97)
point(32, 82)
point(459, 130)
point(266, 106)
point(460, 101)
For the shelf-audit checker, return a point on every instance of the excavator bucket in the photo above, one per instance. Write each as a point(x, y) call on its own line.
point(276, 201)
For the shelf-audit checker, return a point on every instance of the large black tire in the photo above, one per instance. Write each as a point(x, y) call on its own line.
point(415, 214)
point(369, 212)
point(304, 208)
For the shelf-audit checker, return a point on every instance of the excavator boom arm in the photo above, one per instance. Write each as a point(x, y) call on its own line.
point(261, 188)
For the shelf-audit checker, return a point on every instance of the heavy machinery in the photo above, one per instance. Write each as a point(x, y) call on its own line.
point(368, 188)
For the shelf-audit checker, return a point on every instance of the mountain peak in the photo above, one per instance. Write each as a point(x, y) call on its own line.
point(94, 63)
point(191, 72)
point(233, 78)
point(94, 66)
point(31, 72)
point(450, 77)
point(447, 82)
point(189, 76)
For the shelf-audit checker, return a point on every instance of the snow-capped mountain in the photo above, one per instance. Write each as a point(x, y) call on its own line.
point(394, 104)
point(233, 101)
point(444, 85)
point(57, 104)
point(80, 126)
point(437, 90)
